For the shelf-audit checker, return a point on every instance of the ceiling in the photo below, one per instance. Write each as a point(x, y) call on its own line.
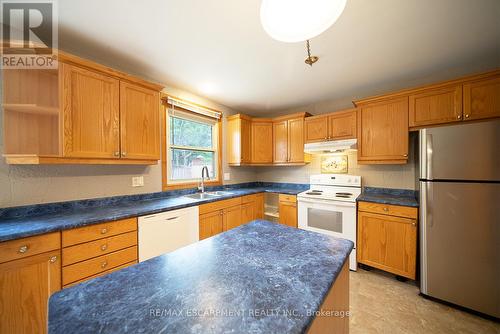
point(218, 49)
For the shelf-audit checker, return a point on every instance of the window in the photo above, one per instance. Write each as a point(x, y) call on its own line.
point(192, 142)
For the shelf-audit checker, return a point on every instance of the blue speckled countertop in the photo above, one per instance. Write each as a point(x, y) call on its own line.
point(27, 221)
point(401, 197)
point(260, 277)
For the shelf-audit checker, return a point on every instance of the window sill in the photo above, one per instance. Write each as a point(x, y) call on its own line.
point(177, 186)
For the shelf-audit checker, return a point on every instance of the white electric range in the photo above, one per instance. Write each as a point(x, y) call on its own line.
point(329, 207)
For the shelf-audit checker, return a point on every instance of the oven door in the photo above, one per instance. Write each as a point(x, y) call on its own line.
point(328, 217)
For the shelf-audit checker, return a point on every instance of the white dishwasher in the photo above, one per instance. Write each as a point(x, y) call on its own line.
point(167, 231)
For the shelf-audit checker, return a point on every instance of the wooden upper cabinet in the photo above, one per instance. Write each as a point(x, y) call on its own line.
point(316, 129)
point(25, 287)
point(333, 126)
point(239, 140)
point(246, 141)
point(436, 106)
point(91, 113)
point(482, 98)
point(296, 140)
point(280, 140)
point(139, 122)
point(383, 132)
point(262, 134)
point(342, 124)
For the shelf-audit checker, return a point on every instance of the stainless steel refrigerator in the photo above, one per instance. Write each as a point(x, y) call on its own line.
point(460, 215)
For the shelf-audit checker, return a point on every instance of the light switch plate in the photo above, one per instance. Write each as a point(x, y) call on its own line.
point(227, 176)
point(138, 181)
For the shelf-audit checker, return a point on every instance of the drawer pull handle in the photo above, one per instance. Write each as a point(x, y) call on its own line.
point(386, 209)
point(172, 218)
point(23, 249)
point(103, 265)
point(53, 259)
point(104, 231)
point(104, 247)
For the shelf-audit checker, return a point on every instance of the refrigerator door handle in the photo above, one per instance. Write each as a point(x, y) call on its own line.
point(429, 153)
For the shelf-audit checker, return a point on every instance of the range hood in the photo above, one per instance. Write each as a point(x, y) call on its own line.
point(331, 146)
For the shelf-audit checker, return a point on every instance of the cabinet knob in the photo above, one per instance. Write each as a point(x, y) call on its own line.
point(23, 249)
point(116, 154)
point(104, 264)
point(414, 224)
point(467, 115)
point(124, 154)
point(104, 247)
point(405, 155)
point(104, 231)
point(53, 259)
point(459, 117)
point(386, 209)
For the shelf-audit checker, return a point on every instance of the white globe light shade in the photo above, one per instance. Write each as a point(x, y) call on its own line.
point(299, 20)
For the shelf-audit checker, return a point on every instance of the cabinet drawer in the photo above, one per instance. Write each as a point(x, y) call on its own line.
point(288, 198)
point(20, 248)
point(387, 209)
point(98, 231)
point(99, 247)
point(101, 274)
point(249, 198)
point(78, 271)
point(219, 205)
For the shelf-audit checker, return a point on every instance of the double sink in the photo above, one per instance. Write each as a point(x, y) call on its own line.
point(209, 194)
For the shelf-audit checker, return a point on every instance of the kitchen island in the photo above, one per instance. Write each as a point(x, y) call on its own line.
point(261, 277)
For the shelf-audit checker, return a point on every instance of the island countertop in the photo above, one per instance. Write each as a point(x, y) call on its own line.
point(260, 277)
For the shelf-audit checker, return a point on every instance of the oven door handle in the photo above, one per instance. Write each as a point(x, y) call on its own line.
point(321, 201)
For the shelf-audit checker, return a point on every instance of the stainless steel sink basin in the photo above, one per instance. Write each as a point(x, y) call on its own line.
point(219, 193)
point(202, 196)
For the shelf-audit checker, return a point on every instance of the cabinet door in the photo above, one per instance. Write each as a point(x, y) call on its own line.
point(436, 106)
point(296, 140)
point(246, 141)
point(482, 99)
point(383, 132)
point(342, 125)
point(232, 217)
point(139, 122)
point(210, 224)
point(388, 243)
point(280, 140)
point(316, 129)
point(247, 212)
point(25, 288)
point(262, 134)
point(91, 114)
point(259, 206)
point(288, 213)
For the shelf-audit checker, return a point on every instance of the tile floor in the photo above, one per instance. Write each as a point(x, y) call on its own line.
point(381, 304)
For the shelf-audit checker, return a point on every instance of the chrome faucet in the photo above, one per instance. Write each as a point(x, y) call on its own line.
point(202, 183)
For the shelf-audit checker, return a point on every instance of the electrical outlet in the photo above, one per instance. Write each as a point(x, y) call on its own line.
point(138, 181)
point(227, 176)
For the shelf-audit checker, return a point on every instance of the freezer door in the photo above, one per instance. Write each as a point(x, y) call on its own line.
point(461, 152)
point(460, 244)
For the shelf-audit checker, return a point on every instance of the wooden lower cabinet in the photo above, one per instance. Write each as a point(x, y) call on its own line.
point(387, 242)
point(231, 217)
point(25, 287)
point(288, 210)
point(95, 250)
point(210, 224)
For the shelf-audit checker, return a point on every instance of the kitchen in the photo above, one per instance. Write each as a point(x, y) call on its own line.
point(172, 187)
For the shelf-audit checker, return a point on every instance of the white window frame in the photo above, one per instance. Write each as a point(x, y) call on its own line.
point(172, 112)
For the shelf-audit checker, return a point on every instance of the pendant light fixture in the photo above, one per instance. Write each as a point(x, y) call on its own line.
point(299, 20)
